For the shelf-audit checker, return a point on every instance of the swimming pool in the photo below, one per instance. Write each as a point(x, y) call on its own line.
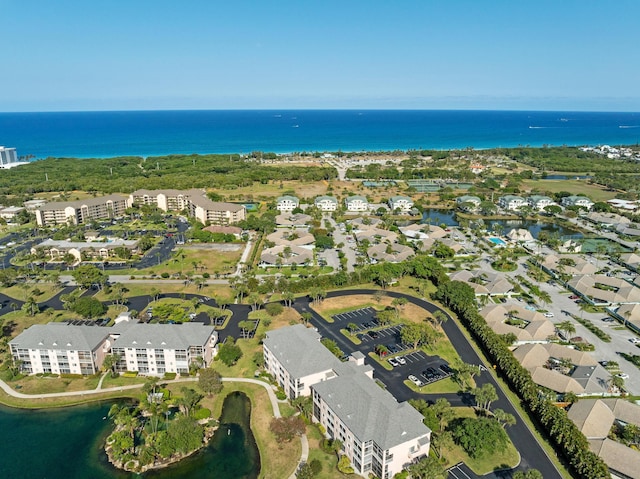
point(497, 241)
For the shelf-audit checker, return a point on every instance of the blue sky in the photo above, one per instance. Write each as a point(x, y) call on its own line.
point(426, 54)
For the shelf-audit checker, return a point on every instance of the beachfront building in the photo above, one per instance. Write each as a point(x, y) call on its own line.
point(468, 202)
point(156, 349)
point(539, 202)
point(287, 203)
point(581, 201)
point(81, 211)
point(58, 348)
point(511, 202)
point(356, 203)
point(378, 434)
point(8, 157)
point(326, 203)
point(401, 204)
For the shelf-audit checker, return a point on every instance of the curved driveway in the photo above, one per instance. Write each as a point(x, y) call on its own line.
point(532, 454)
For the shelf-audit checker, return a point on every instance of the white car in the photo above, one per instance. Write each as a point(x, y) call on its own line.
point(548, 315)
point(414, 380)
point(623, 375)
point(401, 360)
point(393, 362)
point(635, 340)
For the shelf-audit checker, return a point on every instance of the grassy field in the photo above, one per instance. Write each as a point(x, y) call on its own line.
point(595, 192)
point(23, 290)
point(196, 260)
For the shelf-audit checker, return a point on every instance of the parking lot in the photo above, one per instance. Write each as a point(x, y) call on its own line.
point(355, 316)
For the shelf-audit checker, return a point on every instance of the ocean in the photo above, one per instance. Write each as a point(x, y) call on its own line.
point(152, 133)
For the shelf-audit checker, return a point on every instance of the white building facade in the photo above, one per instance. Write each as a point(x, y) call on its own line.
point(326, 203)
point(287, 203)
point(356, 203)
point(511, 202)
point(402, 204)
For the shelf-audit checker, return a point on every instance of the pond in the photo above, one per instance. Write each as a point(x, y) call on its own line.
point(68, 443)
point(438, 217)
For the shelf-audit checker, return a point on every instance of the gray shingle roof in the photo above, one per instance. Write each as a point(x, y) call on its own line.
point(166, 336)
point(61, 336)
point(300, 351)
point(370, 412)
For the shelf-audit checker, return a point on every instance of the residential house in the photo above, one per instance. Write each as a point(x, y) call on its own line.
point(356, 203)
point(595, 418)
point(285, 255)
point(391, 253)
point(287, 220)
point(468, 202)
point(604, 290)
point(56, 249)
point(10, 212)
point(287, 203)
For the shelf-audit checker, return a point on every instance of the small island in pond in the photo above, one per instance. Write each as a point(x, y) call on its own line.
point(159, 431)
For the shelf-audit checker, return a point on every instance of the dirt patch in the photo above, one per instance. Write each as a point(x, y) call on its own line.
point(215, 246)
point(409, 312)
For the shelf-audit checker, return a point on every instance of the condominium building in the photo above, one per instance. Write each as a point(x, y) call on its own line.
point(402, 204)
point(378, 434)
point(166, 200)
point(511, 202)
point(194, 202)
point(582, 201)
point(155, 349)
point(287, 203)
point(356, 203)
point(539, 202)
point(81, 211)
point(58, 348)
point(326, 203)
point(8, 157)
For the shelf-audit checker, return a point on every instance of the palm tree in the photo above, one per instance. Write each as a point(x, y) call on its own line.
point(567, 327)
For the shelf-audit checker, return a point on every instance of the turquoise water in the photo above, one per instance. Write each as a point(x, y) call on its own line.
point(497, 241)
point(148, 133)
point(68, 443)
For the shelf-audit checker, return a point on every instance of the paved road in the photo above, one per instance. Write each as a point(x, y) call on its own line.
point(532, 454)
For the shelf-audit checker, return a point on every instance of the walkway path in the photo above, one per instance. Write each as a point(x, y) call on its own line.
point(98, 390)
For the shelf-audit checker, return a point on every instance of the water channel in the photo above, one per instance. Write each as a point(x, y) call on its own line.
point(67, 443)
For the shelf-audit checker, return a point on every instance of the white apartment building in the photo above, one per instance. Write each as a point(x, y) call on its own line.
point(287, 203)
point(58, 348)
point(356, 203)
point(379, 435)
point(511, 202)
point(540, 202)
point(400, 203)
point(166, 200)
point(81, 211)
point(155, 349)
point(8, 157)
point(326, 203)
point(581, 201)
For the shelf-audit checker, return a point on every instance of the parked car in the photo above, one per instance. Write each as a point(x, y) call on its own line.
point(401, 360)
point(373, 334)
point(415, 380)
point(574, 296)
point(393, 362)
point(622, 375)
point(608, 319)
point(635, 340)
point(548, 315)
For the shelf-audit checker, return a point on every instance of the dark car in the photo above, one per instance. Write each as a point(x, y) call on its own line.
point(373, 334)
